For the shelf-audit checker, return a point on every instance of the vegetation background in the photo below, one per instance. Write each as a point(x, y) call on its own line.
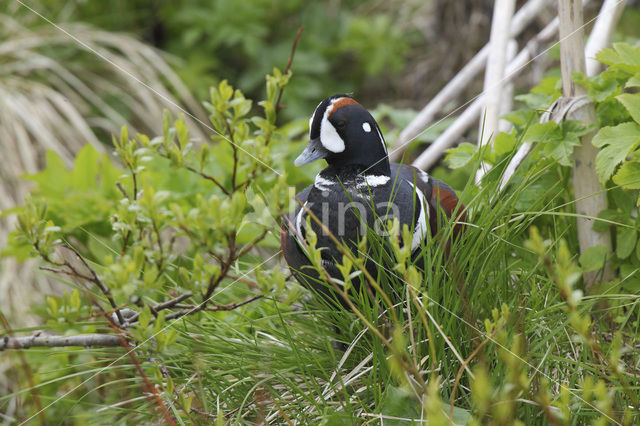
point(182, 216)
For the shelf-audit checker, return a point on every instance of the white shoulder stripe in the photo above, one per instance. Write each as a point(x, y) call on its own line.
point(299, 220)
point(420, 231)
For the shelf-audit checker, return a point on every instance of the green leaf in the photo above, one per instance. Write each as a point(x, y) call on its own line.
point(52, 305)
point(616, 143)
point(461, 155)
point(561, 149)
point(540, 132)
point(633, 81)
point(623, 56)
point(74, 299)
point(630, 279)
point(536, 100)
point(625, 241)
point(85, 168)
point(593, 258)
point(144, 318)
point(632, 104)
point(628, 176)
point(504, 143)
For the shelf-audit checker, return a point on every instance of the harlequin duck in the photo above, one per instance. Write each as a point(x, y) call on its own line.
point(358, 188)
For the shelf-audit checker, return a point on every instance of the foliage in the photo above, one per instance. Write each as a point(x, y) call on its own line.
point(344, 46)
point(493, 330)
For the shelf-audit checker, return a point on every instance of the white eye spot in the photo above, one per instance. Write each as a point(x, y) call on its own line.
point(366, 127)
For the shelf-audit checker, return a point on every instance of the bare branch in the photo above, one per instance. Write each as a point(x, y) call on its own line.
point(38, 339)
point(209, 178)
point(197, 308)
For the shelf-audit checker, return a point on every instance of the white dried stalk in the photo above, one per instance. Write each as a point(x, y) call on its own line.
point(432, 154)
point(525, 15)
point(589, 195)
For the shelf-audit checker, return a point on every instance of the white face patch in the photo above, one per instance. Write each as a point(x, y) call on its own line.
point(329, 136)
point(366, 127)
point(421, 227)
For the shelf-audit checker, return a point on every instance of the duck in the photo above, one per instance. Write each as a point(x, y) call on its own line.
point(359, 189)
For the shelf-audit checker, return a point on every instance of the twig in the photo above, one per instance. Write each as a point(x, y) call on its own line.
point(243, 280)
point(41, 340)
point(159, 307)
point(74, 272)
point(234, 148)
point(286, 71)
point(208, 177)
point(169, 303)
point(288, 67)
point(252, 244)
point(198, 308)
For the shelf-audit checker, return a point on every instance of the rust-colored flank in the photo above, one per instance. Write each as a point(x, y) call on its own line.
point(340, 103)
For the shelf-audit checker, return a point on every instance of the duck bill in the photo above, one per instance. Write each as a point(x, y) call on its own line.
point(314, 151)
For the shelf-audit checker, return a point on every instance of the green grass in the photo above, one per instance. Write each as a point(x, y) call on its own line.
point(487, 333)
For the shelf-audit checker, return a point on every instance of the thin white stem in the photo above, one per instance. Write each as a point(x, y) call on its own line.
point(430, 156)
point(525, 15)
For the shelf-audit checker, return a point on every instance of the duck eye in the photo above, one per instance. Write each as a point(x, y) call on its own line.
point(340, 124)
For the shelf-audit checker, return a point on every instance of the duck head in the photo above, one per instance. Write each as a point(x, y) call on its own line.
point(344, 133)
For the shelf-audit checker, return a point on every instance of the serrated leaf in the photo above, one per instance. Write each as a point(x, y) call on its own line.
point(625, 241)
point(623, 56)
point(593, 258)
point(632, 104)
point(616, 143)
point(628, 176)
point(561, 149)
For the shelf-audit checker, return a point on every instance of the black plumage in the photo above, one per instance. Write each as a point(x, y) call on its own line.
point(358, 188)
